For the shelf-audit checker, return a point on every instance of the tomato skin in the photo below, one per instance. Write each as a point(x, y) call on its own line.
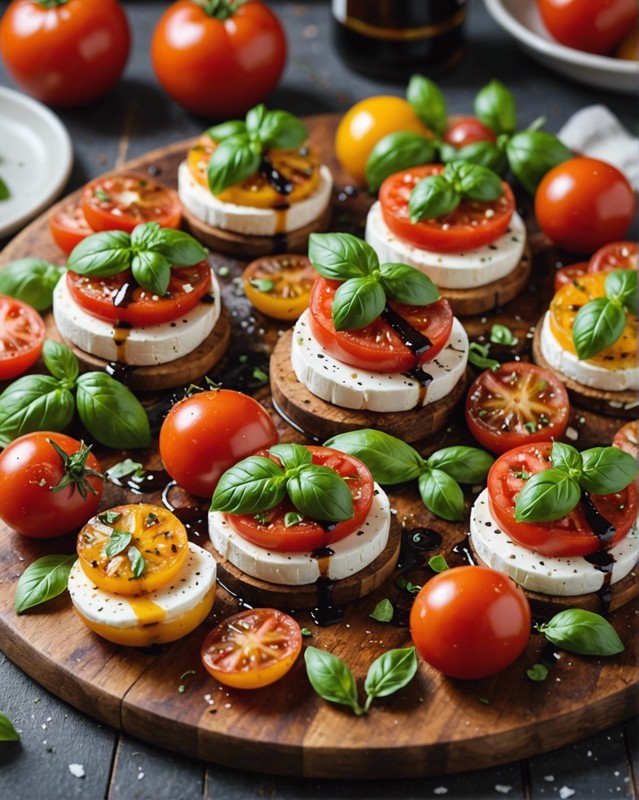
point(66, 55)
point(583, 204)
point(204, 435)
point(292, 277)
point(470, 622)
point(569, 274)
point(590, 25)
point(616, 255)
point(627, 438)
point(22, 333)
point(29, 468)
point(69, 226)
point(463, 131)
point(190, 50)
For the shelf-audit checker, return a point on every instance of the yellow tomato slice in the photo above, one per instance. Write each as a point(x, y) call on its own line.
point(563, 310)
point(280, 286)
point(111, 544)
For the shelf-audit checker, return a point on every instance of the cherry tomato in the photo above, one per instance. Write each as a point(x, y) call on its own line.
point(365, 124)
point(628, 47)
point(65, 53)
point(468, 130)
point(308, 534)
point(42, 492)
point(252, 649)
point(616, 255)
point(69, 226)
point(279, 286)
point(569, 536)
point(627, 438)
point(583, 204)
point(518, 403)
point(470, 622)
point(218, 59)
point(573, 272)
point(595, 26)
point(471, 225)
point(205, 434)
point(21, 336)
point(378, 347)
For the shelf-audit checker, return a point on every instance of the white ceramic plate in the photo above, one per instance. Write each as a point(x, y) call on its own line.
point(36, 157)
point(521, 19)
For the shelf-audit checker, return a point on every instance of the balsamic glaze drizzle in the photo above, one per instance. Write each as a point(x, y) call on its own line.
point(416, 342)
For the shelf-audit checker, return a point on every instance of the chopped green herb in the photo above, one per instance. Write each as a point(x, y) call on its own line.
point(500, 334)
point(124, 468)
point(260, 375)
point(543, 420)
point(138, 564)
point(478, 355)
point(483, 412)
point(42, 482)
point(438, 564)
point(262, 284)
point(187, 673)
point(151, 519)
point(383, 611)
point(181, 688)
point(531, 426)
point(292, 518)
point(109, 517)
point(407, 586)
point(5, 194)
point(102, 195)
point(538, 672)
point(522, 474)
point(261, 517)
point(118, 541)
point(223, 272)
point(305, 632)
point(484, 700)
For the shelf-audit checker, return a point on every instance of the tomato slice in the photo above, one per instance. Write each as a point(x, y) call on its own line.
point(270, 530)
point(471, 225)
point(21, 336)
point(120, 202)
point(280, 286)
point(569, 536)
point(573, 272)
point(616, 255)
point(120, 299)
point(158, 535)
point(379, 347)
point(252, 649)
point(69, 226)
point(627, 438)
point(463, 131)
point(517, 404)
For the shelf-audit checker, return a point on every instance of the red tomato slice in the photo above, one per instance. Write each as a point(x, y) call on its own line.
point(21, 337)
point(518, 404)
point(569, 536)
point(569, 274)
point(468, 130)
point(120, 202)
point(69, 226)
point(616, 255)
point(627, 438)
point(120, 299)
point(378, 347)
point(469, 226)
point(308, 535)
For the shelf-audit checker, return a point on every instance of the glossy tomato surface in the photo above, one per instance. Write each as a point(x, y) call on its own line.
point(627, 438)
point(594, 26)
point(207, 433)
point(573, 272)
point(616, 255)
point(463, 131)
point(30, 471)
point(69, 226)
point(218, 67)
point(65, 54)
point(584, 204)
point(21, 336)
point(470, 622)
point(280, 285)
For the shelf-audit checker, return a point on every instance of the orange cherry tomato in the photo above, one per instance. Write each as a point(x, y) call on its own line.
point(21, 336)
point(69, 226)
point(280, 286)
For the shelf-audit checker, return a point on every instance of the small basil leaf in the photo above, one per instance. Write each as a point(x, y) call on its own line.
point(124, 468)
point(408, 285)
point(60, 361)
point(34, 403)
point(118, 541)
point(438, 564)
point(474, 182)
point(478, 356)
point(331, 678)
point(136, 559)
point(102, 254)
point(111, 413)
point(547, 496)
point(596, 326)
point(292, 455)
point(442, 495)
point(464, 464)
point(389, 459)
point(5, 194)
point(391, 672)
point(320, 493)
point(432, 197)
point(41, 581)
point(621, 285)
point(252, 485)
point(428, 103)
point(357, 302)
point(152, 271)
point(7, 732)
point(234, 127)
point(292, 518)
point(180, 248)
point(280, 130)
point(31, 280)
point(233, 160)
point(396, 152)
point(583, 632)
point(531, 154)
point(500, 334)
point(495, 106)
point(485, 154)
point(254, 119)
point(383, 611)
point(607, 470)
point(538, 672)
point(339, 256)
point(566, 457)
point(146, 236)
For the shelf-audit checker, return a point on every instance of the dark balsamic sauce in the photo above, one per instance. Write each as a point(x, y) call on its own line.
point(416, 342)
point(325, 613)
point(194, 518)
point(124, 296)
point(310, 436)
point(416, 542)
point(207, 299)
point(463, 549)
point(423, 379)
point(274, 177)
point(601, 560)
point(143, 481)
point(120, 371)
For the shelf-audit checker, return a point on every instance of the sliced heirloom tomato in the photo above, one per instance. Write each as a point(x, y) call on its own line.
point(270, 531)
point(21, 336)
point(280, 285)
point(69, 226)
point(571, 535)
point(378, 346)
point(627, 438)
point(471, 225)
point(252, 649)
point(616, 255)
point(517, 404)
point(573, 272)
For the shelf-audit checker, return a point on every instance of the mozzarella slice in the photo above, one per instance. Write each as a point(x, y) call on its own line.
point(352, 387)
point(252, 221)
point(450, 270)
point(142, 345)
point(350, 555)
point(612, 380)
point(564, 577)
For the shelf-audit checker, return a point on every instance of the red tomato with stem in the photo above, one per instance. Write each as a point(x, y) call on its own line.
point(21, 336)
point(616, 255)
point(595, 26)
point(69, 226)
point(463, 131)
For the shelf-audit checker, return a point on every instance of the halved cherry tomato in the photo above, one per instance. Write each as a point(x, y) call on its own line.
point(573, 272)
point(252, 649)
point(627, 438)
point(120, 202)
point(69, 226)
point(471, 225)
point(569, 536)
point(105, 542)
point(517, 404)
point(120, 299)
point(378, 347)
point(616, 255)
point(307, 535)
point(21, 336)
point(279, 286)
point(468, 130)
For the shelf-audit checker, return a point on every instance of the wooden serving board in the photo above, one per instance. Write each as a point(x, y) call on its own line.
point(434, 725)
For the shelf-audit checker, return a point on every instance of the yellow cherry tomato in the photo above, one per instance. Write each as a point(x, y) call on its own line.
point(628, 48)
point(280, 285)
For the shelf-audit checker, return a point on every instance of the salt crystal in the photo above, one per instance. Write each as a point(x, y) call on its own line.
point(565, 792)
point(440, 790)
point(571, 433)
point(549, 778)
point(140, 775)
point(77, 770)
point(503, 789)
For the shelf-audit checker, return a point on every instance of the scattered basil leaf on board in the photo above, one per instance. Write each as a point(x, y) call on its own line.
point(396, 152)
point(383, 611)
point(478, 356)
point(389, 673)
point(389, 459)
point(331, 678)
point(7, 732)
point(124, 468)
point(43, 580)
point(464, 464)
point(34, 403)
point(501, 334)
point(583, 632)
point(32, 281)
point(60, 361)
point(438, 564)
point(538, 672)
point(442, 495)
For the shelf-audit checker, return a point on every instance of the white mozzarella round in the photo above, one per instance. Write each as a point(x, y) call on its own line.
point(350, 555)
point(561, 576)
point(245, 219)
point(450, 270)
point(583, 371)
point(143, 345)
point(352, 387)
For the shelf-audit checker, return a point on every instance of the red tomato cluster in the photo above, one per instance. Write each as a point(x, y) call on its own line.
point(590, 25)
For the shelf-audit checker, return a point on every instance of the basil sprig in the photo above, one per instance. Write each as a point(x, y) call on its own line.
point(437, 195)
point(7, 731)
point(43, 580)
point(552, 493)
point(396, 152)
point(392, 461)
point(366, 283)
point(600, 323)
point(32, 281)
point(583, 632)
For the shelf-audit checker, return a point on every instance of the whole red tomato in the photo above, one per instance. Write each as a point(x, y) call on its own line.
point(595, 26)
point(463, 131)
point(583, 204)
point(207, 433)
point(50, 484)
point(65, 52)
point(218, 59)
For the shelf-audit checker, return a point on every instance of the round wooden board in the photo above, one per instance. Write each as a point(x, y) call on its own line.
point(432, 726)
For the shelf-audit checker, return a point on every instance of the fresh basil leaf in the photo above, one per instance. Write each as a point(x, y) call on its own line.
point(621, 285)
point(566, 457)
point(233, 160)
point(109, 517)
point(500, 334)
point(138, 564)
point(357, 302)
point(5, 194)
point(252, 485)
point(31, 280)
point(438, 564)
point(331, 678)
point(339, 256)
point(34, 403)
point(474, 182)
point(442, 495)
point(495, 107)
point(254, 119)
point(394, 153)
point(320, 493)
point(180, 248)
point(292, 455)
point(531, 154)
point(464, 464)
point(408, 285)
point(111, 412)
point(41, 581)
point(428, 103)
point(390, 672)
point(431, 198)
point(7, 732)
point(292, 518)
point(102, 254)
point(234, 127)
point(538, 672)
point(152, 271)
point(280, 130)
point(547, 496)
point(389, 459)
point(60, 361)
point(383, 611)
point(583, 632)
point(596, 326)
point(118, 541)
point(146, 236)
point(607, 470)
point(124, 468)
point(478, 356)
point(486, 154)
